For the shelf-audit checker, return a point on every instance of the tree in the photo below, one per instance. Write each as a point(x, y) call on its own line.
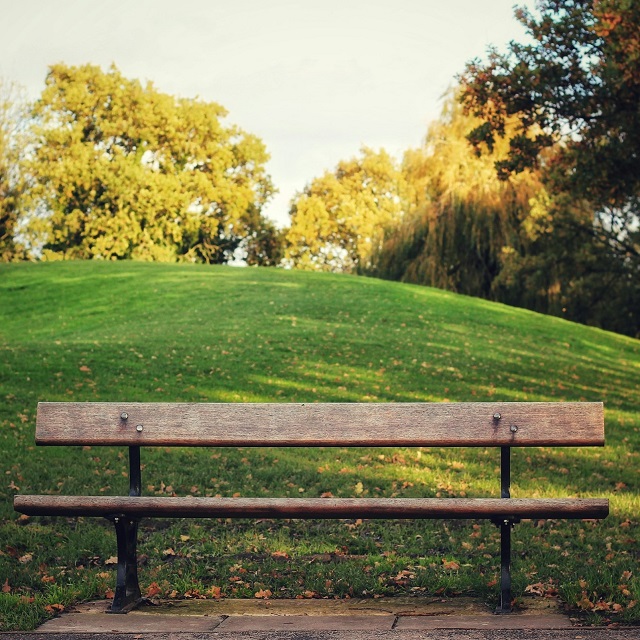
point(121, 170)
point(574, 92)
point(339, 219)
point(13, 115)
point(461, 221)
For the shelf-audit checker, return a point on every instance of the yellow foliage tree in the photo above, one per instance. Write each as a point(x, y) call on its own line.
point(338, 221)
point(13, 116)
point(121, 170)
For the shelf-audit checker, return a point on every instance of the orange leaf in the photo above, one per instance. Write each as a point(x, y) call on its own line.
point(5, 587)
point(263, 594)
point(153, 590)
point(54, 608)
point(215, 592)
point(450, 565)
point(537, 589)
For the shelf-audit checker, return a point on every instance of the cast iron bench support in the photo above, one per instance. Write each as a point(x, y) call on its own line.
point(127, 594)
point(505, 525)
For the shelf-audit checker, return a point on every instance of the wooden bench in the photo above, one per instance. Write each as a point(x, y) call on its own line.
point(503, 425)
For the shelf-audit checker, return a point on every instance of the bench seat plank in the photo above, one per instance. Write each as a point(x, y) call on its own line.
point(420, 508)
point(329, 424)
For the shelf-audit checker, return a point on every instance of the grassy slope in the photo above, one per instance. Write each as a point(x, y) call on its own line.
point(141, 332)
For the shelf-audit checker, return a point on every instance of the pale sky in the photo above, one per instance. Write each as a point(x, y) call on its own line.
point(314, 79)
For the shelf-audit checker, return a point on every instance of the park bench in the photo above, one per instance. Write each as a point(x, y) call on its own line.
point(478, 424)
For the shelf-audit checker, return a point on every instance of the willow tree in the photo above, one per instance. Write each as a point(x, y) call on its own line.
point(339, 220)
point(121, 170)
point(463, 223)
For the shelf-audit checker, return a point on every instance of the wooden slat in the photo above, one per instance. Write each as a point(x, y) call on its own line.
point(335, 424)
point(418, 508)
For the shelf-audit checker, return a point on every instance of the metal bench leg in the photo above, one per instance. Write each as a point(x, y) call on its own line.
point(127, 594)
point(505, 567)
point(505, 525)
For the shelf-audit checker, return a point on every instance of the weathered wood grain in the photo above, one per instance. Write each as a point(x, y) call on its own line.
point(334, 424)
point(414, 508)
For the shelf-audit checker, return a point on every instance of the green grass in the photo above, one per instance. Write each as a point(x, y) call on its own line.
point(149, 332)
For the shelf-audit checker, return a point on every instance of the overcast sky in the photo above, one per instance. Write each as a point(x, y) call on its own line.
point(315, 79)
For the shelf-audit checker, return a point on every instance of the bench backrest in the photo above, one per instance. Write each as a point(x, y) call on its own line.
point(424, 424)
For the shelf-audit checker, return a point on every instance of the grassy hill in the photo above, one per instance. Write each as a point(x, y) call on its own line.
point(150, 332)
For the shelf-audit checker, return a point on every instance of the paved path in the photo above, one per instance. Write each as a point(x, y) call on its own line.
point(356, 619)
point(460, 634)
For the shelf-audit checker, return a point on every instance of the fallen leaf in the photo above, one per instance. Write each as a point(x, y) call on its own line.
point(266, 593)
point(153, 590)
point(450, 566)
point(85, 369)
point(215, 592)
point(5, 587)
point(54, 608)
point(537, 589)
point(111, 560)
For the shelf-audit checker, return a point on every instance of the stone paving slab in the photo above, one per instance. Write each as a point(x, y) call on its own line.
point(307, 623)
point(513, 621)
point(134, 622)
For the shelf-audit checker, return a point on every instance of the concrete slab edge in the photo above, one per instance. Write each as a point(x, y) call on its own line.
point(578, 633)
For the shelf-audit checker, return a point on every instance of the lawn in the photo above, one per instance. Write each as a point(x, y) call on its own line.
point(90, 331)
